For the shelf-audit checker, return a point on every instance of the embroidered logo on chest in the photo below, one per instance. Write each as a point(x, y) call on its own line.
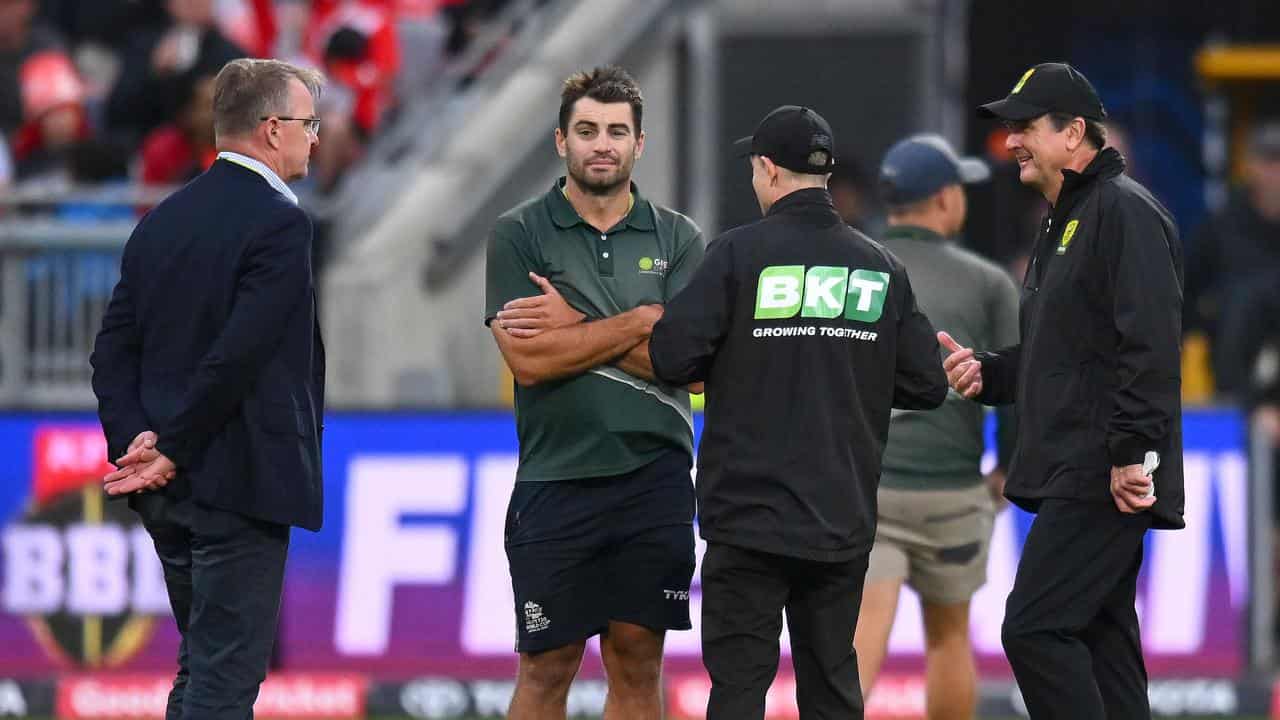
point(1068, 233)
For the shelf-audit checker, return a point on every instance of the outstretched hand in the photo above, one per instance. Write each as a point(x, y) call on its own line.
point(964, 371)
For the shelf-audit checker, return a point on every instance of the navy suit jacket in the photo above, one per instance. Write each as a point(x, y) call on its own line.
point(211, 340)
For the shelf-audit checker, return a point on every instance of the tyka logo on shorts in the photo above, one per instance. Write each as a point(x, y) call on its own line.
point(822, 292)
point(534, 620)
point(675, 594)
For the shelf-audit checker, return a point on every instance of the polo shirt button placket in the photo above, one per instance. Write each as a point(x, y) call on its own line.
point(604, 263)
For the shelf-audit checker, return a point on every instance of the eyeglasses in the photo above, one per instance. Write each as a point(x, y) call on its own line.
point(311, 125)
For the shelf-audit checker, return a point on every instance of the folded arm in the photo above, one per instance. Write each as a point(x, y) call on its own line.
point(562, 352)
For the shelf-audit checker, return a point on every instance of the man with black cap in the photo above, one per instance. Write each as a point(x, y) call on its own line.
point(935, 512)
point(1096, 384)
point(806, 334)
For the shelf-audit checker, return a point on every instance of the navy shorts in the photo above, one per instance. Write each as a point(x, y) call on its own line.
point(585, 552)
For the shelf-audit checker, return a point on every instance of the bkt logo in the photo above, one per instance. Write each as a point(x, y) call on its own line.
point(822, 292)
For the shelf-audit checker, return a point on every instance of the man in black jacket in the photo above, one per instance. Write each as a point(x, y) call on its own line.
point(1096, 384)
point(209, 366)
point(806, 334)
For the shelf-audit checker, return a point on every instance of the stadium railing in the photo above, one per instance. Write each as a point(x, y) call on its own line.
point(57, 269)
point(55, 280)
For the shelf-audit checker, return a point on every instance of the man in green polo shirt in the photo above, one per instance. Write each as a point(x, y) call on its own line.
point(599, 531)
point(935, 512)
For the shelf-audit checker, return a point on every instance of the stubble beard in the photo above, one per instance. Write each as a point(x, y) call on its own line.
point(600, 188)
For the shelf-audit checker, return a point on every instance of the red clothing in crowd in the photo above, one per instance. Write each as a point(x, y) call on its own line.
point(169, 157)
point(371, 77)
point(48, 82)
point(255, 30)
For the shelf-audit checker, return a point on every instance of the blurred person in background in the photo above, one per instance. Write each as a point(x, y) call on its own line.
point(1250, 335)
point(855, 196)
point(54, 118)
point(935, 509)
point(599, 532)
point(100, 172)
point(356, 43)
point(20, 38)
point(160, 62)
point(1262, 396)
point(250, 24)
point(1234, 249)
point(209, 374)
point(466, 20)
point(176, 152)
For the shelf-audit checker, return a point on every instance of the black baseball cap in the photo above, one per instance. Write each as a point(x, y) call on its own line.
point(1046, 88)
point(794, 137)
point(921, 165)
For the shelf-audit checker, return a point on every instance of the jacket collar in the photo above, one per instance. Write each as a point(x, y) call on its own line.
point(1108, 163)
point(565, 217)
point(260, 168)
point(803, 201)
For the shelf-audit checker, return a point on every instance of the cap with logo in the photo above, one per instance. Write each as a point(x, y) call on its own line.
point(1046, 88)
point(921, 165)
point(794, 137)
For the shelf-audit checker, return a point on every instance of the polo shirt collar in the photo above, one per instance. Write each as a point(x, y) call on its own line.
point(912, 232)
point(565, 217)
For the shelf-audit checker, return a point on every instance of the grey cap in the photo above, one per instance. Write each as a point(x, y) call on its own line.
point(921, 165)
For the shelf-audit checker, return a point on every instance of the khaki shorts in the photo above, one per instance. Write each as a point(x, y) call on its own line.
point(936, 541)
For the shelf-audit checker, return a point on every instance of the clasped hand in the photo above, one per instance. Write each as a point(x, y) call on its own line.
point(141, 468)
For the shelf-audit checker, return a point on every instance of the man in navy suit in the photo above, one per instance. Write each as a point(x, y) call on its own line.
point(209, 373)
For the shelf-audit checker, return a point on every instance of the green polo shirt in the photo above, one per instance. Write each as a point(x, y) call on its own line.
point(603, 422)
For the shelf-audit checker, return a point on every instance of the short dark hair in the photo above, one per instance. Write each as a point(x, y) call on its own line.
point(247, 90)
point(1095, 133)
point(608, 84)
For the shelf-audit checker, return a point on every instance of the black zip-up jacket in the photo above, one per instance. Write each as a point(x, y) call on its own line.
point(1096, 379)
point(806, 333)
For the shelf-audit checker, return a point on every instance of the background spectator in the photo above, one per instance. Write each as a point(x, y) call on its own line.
point(161, 62)
point(20, 38)
point(54, 116)
point(1232, 250)
point(355, 42)
point(178, 151)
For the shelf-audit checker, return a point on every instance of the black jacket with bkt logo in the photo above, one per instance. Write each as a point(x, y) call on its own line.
point(1096, 379)
point(806, 333)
